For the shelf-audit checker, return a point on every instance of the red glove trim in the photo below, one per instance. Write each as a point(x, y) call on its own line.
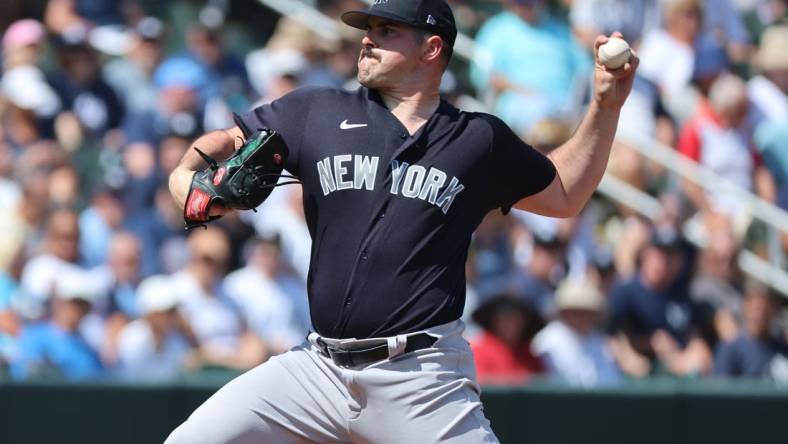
point(197, 205)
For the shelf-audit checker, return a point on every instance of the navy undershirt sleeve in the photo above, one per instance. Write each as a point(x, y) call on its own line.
point(286, 115)
point(517, 169)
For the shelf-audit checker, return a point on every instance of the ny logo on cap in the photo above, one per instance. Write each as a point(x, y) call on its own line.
point(380, 2)
point(431, 20)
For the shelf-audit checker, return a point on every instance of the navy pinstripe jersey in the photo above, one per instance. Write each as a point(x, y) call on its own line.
point(391, 214)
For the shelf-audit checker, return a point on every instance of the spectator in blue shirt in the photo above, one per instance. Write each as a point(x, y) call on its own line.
point(55, 347)
point(227, 72)
point(771, 140)
point(9, 322)
point(757, 352)
point(533, 64)
point(98, 223)
point(182, 84)
point(131, 75)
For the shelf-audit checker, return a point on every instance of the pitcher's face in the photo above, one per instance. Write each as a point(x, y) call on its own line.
point(390, 52)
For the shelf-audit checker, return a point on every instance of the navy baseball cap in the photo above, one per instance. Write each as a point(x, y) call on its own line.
point(434, 16)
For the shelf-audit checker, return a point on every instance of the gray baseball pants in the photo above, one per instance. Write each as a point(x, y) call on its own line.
point(425, 396)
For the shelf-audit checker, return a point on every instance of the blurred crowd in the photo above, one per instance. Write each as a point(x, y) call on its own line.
point(99, 99)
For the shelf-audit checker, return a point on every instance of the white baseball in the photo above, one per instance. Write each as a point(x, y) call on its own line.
point(615, 53)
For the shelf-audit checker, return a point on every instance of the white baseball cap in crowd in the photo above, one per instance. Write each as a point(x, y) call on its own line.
point(77, 285)
point(26, 87)
point(114, 40)
point(579, 294)
point(156, 293)
point(264, 66)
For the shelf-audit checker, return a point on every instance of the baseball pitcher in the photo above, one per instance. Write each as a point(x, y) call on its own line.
point(395, 181)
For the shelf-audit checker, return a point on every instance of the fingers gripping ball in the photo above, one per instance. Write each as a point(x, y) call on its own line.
point(615, 53)
point(241, 182)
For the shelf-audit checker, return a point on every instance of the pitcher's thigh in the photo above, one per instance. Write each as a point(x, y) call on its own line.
point(443, 411)
point(288, 399)
point(454, 415)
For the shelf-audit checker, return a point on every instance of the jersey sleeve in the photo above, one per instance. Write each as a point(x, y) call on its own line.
point(287, 116)
point(517, 170)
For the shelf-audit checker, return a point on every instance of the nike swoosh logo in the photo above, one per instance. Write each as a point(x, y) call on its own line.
point(346, 126)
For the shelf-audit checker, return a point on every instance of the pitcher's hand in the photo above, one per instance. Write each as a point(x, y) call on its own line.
point(612, 86)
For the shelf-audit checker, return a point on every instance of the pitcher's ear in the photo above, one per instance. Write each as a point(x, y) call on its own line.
point(432, 48)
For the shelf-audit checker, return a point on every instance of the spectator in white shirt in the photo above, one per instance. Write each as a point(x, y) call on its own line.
point(572, 347)
point(716, 138)
point(672, 46)
point(154, 346)
point(283, 215)
point(60, 256)
point(271, 296)
point(769, 89)
point(590, 18)
point(216, 321)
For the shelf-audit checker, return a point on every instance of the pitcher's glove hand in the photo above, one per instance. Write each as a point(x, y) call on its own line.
point(241, 182)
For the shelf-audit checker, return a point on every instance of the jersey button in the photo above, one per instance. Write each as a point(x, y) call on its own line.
point(404, 134)
point(382, 215)
point(364, 255)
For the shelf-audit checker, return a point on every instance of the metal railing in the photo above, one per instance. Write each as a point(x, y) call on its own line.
point(770, 272)
point(648, 206)
point(688, 169)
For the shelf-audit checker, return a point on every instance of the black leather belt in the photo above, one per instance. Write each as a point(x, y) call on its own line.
point(365, 356)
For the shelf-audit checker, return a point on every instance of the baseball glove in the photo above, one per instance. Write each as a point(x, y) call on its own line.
point(241, 182)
